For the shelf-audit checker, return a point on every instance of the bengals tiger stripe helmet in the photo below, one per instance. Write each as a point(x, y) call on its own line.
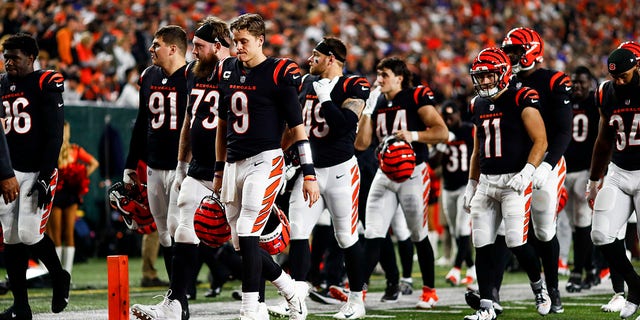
point(490, 60)
point(633, 47)
point(275, 236)
point(524, 47)
point(396, 158)
point(210, 222)
point(132, 203)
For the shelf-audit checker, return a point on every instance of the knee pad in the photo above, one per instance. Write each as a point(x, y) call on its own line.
point(346, 240)
point(186, 235)
point(30, 237)
point(481, 234)
point(544, 234)
point(513, 239)
point(599, 238)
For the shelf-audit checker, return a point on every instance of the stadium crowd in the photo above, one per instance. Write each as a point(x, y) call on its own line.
point(94, 43)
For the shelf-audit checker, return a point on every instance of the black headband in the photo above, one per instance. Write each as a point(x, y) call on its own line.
point(325, 49)
point(205, 32)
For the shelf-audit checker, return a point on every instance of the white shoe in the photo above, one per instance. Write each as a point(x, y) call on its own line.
point(543, 301)
point(260, 314)
point(615, 304)
point(470, 277)
point(482, 314)
point(297, 304)
point(351, 310)
point(453, 277)
point(280, 310)
point(166, 310)
point(628, 309)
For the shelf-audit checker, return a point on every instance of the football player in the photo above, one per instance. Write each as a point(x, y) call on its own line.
point(155, 137)
point(196, 152)
point(406, 113)
point(615, 196)
point(259, 96)
point(454, 156)
point(506, 119)
point(332, 104)
point(525, 48)
point(578, 157)
point(33, 121)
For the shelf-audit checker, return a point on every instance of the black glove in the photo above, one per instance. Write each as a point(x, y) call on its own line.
point(43, 188)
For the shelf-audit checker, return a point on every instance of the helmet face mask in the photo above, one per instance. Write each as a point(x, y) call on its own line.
point(276, 234)
point(525, 45)
point(490, 64)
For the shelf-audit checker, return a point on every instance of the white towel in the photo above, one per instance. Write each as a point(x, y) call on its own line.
point(228, 192)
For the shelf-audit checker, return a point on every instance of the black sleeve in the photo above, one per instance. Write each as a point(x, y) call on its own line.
point(53, 129)
point(292, 111)
point(338, 119)
point(563, 122)
point(138, 138)
point(6, 171)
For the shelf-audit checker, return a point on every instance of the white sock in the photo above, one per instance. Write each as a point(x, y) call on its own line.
point(69, 253)
point(356, 297)
point(249, 301)
point(285, 284)
point(59, 252)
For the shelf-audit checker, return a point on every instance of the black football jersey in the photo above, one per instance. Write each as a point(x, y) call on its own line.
point(583, 134)
point(622, 113)
point(554, 89)
point(455, 161)
point(156, 133)
point(401, 113)
point(33, 119)
point(503, 142)
point(203, 110)
point(257, 103)
point(332, 132)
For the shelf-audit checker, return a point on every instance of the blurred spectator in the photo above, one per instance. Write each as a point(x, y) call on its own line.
point(129, 95)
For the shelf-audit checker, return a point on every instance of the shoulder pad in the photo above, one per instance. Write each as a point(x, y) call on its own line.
point(51, 81)
point(286, 72)
point(560, 82)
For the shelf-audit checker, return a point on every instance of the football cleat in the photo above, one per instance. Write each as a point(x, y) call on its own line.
point(543, 302)
point(575, 283)
point(453, 277)
point(391, 293)
point(556, 302)
point(484, 313)
point(280, 310)
point(167, 309)
point(351, 310)
point(628, 309)
point(470, 277)
point(339, 293)
point(322, 296)
point(15, 313)
point(61, 285)
point(615, 304)
point(428, 299)
point(260, 314)
point(296, 303)
point(406, 286)
point(563, 268)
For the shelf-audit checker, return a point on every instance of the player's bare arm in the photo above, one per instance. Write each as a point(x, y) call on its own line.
point(221, 154)
point(365, 132)
point(534, 125)
point(437, 130)
point(184, 147)
point(474, 161)
point(602, 149)
point(354, 105)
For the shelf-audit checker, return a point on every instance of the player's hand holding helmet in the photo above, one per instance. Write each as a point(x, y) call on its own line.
point(44, 189)
point(469, 192)
point(210, 222)
point(541, 175)
point(520, 181)
point(132, 203)
point(396, 158)
point(323, 88)
point(592, 191)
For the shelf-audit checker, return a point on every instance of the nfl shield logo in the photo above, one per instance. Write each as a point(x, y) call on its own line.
point(243, 79)
point(491, 107)
point(164, 81)
point(13, 87)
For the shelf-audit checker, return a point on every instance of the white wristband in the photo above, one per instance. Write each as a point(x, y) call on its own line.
point(414, 136)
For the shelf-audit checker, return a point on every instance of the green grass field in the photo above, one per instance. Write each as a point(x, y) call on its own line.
point(90, 293)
